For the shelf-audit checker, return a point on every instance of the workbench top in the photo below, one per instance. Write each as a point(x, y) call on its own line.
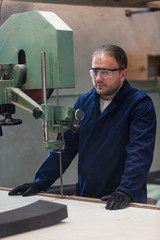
point(89, 220)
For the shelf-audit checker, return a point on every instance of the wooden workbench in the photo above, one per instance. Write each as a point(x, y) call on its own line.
point(89, 220)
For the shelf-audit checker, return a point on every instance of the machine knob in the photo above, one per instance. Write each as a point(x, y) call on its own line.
point(79, 115)
point(37, 113)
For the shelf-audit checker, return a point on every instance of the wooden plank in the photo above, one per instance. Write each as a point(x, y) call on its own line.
point(110, 3)
point(97, 200)
point(91, 200)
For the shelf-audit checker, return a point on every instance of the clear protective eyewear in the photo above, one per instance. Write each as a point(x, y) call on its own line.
point(104, 72)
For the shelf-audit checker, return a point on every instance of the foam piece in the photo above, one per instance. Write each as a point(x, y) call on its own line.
point(33, 216)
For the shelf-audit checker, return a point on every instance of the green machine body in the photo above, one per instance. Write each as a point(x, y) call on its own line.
point(23, 39)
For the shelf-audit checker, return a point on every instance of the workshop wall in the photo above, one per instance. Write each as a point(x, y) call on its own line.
point(21, 150)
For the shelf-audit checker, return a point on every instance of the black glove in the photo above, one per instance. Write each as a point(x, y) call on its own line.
point(117, 200)
point(26, 189)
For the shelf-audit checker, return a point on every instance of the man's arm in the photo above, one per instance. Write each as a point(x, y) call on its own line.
point(139, 151)
point(142, 131)
point(49, 171)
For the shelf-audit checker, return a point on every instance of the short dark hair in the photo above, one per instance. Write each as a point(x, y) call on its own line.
point(113, 51)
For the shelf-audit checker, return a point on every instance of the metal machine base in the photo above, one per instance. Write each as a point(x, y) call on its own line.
point(33, 216)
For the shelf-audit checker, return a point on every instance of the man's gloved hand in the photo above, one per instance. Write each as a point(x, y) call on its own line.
point(117, 200)
point(26, 189)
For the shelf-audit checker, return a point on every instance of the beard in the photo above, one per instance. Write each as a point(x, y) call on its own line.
point(106, 91)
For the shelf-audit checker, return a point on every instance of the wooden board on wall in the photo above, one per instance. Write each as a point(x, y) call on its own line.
point(143, 66)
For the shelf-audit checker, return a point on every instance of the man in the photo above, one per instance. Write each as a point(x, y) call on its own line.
point(115, 141)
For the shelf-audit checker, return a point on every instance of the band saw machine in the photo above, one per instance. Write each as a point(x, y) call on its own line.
point(36, 57)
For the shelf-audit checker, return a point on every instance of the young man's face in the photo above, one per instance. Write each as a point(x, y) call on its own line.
point(107, 86)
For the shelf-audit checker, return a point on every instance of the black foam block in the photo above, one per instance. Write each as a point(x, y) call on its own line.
point(33, 216)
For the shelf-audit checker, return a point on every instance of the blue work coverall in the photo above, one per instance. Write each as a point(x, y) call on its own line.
point(115, 147)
